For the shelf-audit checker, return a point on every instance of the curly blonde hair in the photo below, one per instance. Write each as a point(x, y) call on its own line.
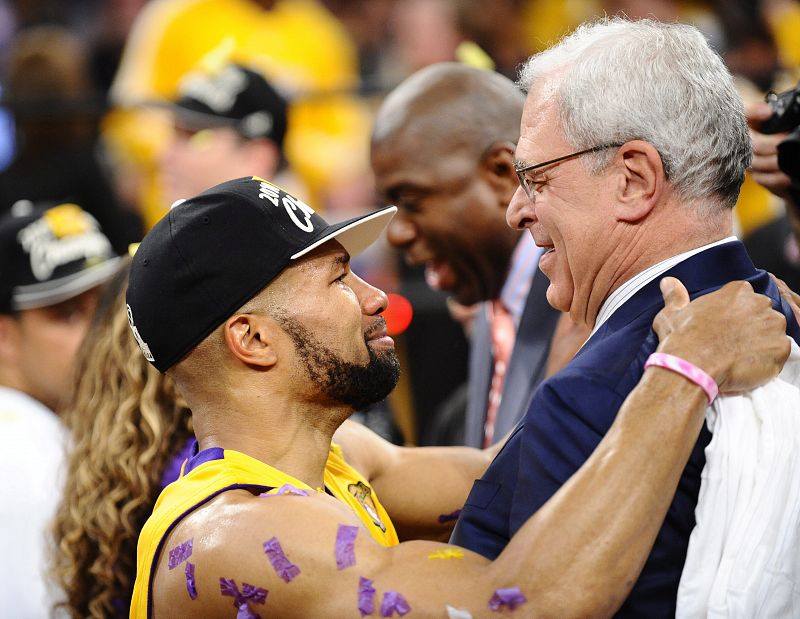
point(127, 423)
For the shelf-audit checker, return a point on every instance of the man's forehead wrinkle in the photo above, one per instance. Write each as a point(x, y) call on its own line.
point(540, 118)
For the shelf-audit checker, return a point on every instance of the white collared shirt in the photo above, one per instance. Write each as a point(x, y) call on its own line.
point(524, 267)
point(622, 294)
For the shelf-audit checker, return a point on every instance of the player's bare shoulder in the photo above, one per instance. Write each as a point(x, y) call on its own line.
point(260, 554)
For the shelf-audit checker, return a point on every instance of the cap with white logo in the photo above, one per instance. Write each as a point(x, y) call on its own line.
point(212, 253)
point(236, 97)
point(50, 253)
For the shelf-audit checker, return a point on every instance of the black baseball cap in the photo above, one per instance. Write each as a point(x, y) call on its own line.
point(236, 97)
point(212, 253)
point(50, 253)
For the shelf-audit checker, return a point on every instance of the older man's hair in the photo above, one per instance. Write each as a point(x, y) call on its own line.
point(623, 80)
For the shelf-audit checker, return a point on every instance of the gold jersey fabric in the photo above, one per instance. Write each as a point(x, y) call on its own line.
point(221, 470)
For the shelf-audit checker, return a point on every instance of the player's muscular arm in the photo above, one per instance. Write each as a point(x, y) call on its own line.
point(422, 488)
point(310, 557)
point(280, 556)
point(283, 550)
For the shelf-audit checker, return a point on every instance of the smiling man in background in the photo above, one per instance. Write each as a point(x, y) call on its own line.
point(442, 152)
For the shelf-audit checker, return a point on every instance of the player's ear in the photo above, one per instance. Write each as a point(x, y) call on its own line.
point(250, 337)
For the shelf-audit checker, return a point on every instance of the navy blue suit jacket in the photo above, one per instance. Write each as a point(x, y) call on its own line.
point(571, 412)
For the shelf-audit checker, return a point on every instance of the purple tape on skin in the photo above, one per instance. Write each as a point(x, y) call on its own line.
point(366, 596)
point(280, 562)
point(250, 593)
point(449, 517)
point(394, 602)
point(346, 546)
point(191, 585)
point(254, 594)
point(180, 553)
point(511, 597)
point(227, 586)
point(244, 612)
point(287, 489)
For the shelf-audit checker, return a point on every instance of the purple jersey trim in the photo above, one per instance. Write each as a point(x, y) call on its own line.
point(207, 455)
point(173, 469)
point(252, 487)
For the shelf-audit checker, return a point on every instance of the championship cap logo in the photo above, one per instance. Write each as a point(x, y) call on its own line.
point(63, 234)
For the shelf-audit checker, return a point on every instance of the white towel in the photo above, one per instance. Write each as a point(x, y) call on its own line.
point(744, 553)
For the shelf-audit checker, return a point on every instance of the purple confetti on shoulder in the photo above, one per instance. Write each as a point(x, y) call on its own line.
point(244, 612)
point(366, 596)
point(249, 593)
point(394, 602)
point(280, 562)
point(287, 489)
point(511, 597)
point(346, 546)
point(254, 594)
point(449, 517)
point(227, 586)
point(191, 585)
point(180, 553)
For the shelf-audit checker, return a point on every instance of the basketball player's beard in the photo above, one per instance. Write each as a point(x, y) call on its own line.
point(343, 381)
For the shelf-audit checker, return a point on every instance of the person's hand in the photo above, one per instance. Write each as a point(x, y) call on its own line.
point(733, 333)
point(764, 169)
point(789, 295)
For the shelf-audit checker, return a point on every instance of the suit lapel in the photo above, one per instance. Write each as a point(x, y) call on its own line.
point(480, 374)
point(701, 273)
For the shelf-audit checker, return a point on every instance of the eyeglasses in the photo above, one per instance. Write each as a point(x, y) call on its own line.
point(528, 184)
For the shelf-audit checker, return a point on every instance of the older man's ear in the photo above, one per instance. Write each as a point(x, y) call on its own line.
point(640, 180)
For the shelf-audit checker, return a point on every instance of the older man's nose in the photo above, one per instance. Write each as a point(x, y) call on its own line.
point(520, 212)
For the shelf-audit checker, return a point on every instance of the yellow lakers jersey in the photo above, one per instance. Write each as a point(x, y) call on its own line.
point(215, 470)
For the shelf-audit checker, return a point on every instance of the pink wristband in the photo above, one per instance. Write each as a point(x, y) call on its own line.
point(685, 369)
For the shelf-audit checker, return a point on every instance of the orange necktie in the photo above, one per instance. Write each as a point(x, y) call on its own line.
point(503, 333)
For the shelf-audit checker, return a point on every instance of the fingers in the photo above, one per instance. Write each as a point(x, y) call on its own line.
point(742, 301)
point(762, 347)
point(674, 293)
point(675, 298)
point(757, 113)
point(765, 148)
point(791, 297)
point(764, 168)
point(776, 182)
point(734, 334)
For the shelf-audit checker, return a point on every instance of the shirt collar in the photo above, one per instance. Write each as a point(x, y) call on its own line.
point(524, 267)
point(622, 294)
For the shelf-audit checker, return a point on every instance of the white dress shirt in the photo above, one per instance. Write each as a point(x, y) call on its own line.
point(743, 559)
point(744, 553)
